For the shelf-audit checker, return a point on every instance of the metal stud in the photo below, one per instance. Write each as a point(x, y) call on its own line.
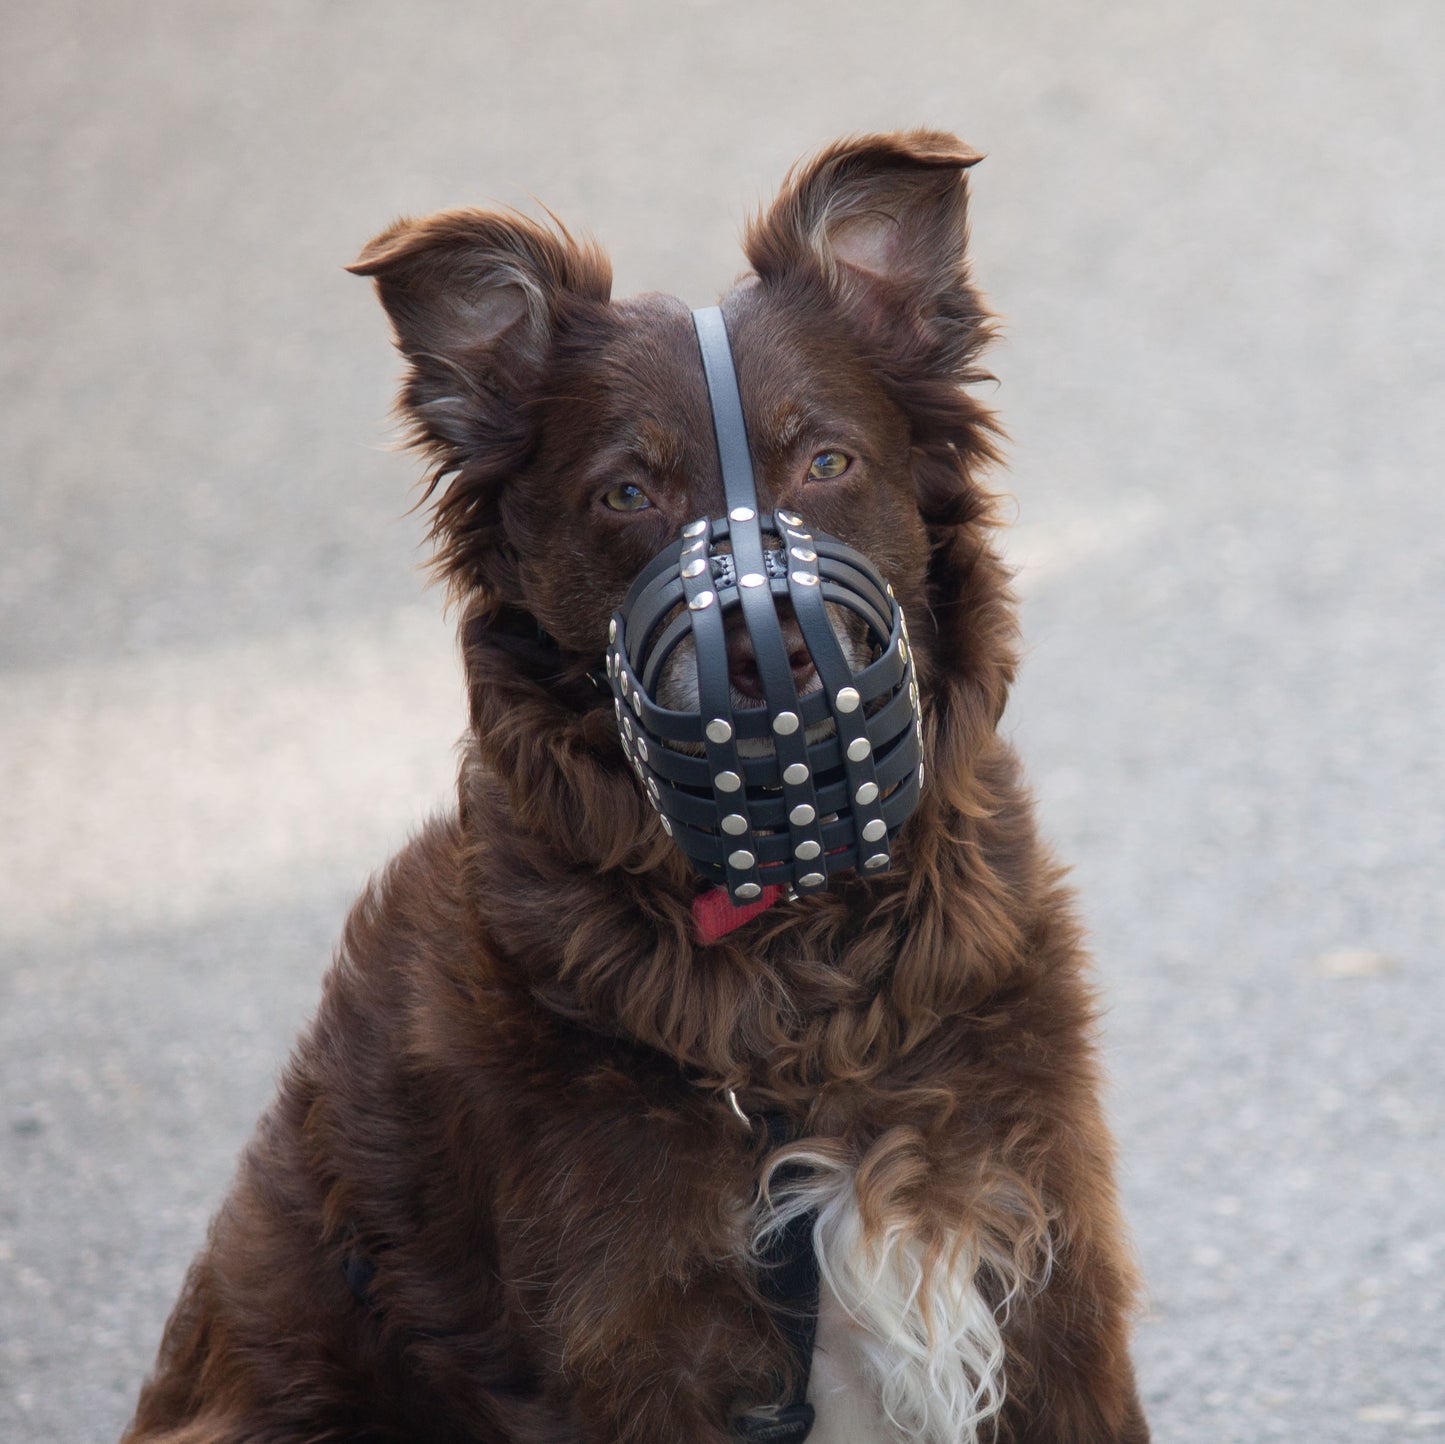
point(652, 788)
point(612, 630)
point(806, 579)
point(727, 782)
point(790, 517)
point(741, 513)
point(637, 701)
point(626, 684)
point(734, 824)
point(888, 587)
point(694, 528)
point(742, 859)
point(666, 825)
point(879, 859)
point(700, 601)
point(785, 724)
point(751, 579)
point(867, 793)
point(795, 773)
point(611, 665)
point(807, 850)
point(642, 748)
point(903, 647)
point(747, 891)
point(847, 699)
point(802, 814)
point(812, 879)
point(920, 774)
point(872, 831)
point(719, 730)
point(858, 749)
point(804, 554)
point(695, 568)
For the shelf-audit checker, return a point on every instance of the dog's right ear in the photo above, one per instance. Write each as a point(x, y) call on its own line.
point(474, 297)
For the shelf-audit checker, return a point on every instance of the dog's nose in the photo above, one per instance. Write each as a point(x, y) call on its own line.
point(743, 660)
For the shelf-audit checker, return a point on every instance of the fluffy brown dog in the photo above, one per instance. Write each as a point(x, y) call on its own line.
point(504, 1194)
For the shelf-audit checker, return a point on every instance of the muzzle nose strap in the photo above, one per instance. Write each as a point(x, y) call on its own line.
point(739, 486)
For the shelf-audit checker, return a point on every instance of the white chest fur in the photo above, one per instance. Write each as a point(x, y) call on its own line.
point(910, 1344)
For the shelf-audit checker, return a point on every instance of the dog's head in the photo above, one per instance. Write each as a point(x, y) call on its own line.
point(571, 436)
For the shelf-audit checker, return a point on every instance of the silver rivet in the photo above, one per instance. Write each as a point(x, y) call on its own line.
point(694, 528)
point(812, 879)
point(652, 787)
point(847, 699)
point(741, 513)
point(637, 702)
point(903, 647)
point(695, 568)
point(727, 782)
point(735, 824)
point(868, 792)
point(872, 831)
point(612, 630)
point(795, 772)
point(719, 730)
point(701, 600)
point(611, 665)
point(806, 851)
point(747, 891)
point(693, 548)
point(666, 825)
point(889, 587)
point(642, 748)
point(920, 774)
point(879, 859)
point(626, 684)
point(617, 707)
point(790, 517)
point(785, 724)
point(742, 859)
point(858, 749)
point(751, 579)
point(804, 554)
point(806, 579)
point(802, 814)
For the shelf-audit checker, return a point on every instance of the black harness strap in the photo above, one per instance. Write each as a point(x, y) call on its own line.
point(790, 1285)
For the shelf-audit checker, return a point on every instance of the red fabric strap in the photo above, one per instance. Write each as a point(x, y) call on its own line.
point(714, 915)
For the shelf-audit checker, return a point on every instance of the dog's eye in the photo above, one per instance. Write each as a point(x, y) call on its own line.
point(828, 464)
point(625, 497)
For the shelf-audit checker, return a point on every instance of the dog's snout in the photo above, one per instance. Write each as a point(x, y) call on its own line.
point(743, 660)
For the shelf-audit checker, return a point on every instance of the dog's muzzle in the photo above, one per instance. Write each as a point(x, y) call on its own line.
point(799, 788)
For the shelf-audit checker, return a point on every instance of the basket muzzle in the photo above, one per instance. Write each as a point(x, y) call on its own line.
point(802, 786)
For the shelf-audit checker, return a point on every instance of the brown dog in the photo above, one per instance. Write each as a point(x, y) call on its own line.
point(513, 1187)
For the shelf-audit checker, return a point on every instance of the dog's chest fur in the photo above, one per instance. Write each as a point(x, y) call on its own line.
point(909, 1346)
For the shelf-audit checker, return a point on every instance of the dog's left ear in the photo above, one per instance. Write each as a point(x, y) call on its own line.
point(881, 220)
point(874, 229)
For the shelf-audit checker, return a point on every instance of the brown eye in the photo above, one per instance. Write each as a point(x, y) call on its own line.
point(828, 464)
point(625, 497)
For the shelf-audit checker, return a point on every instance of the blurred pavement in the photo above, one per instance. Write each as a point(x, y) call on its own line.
point(1217, 235)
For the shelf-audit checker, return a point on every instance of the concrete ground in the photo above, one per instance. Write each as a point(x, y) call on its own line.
point(1215, 231)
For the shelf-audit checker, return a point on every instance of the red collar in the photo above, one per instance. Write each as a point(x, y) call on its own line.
point(713, 913)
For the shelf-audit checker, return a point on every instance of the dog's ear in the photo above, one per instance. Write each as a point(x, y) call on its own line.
point(476, 298)
point(880, 219)
point(874, 229)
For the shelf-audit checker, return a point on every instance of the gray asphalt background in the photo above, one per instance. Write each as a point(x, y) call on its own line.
point(1215, 231)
